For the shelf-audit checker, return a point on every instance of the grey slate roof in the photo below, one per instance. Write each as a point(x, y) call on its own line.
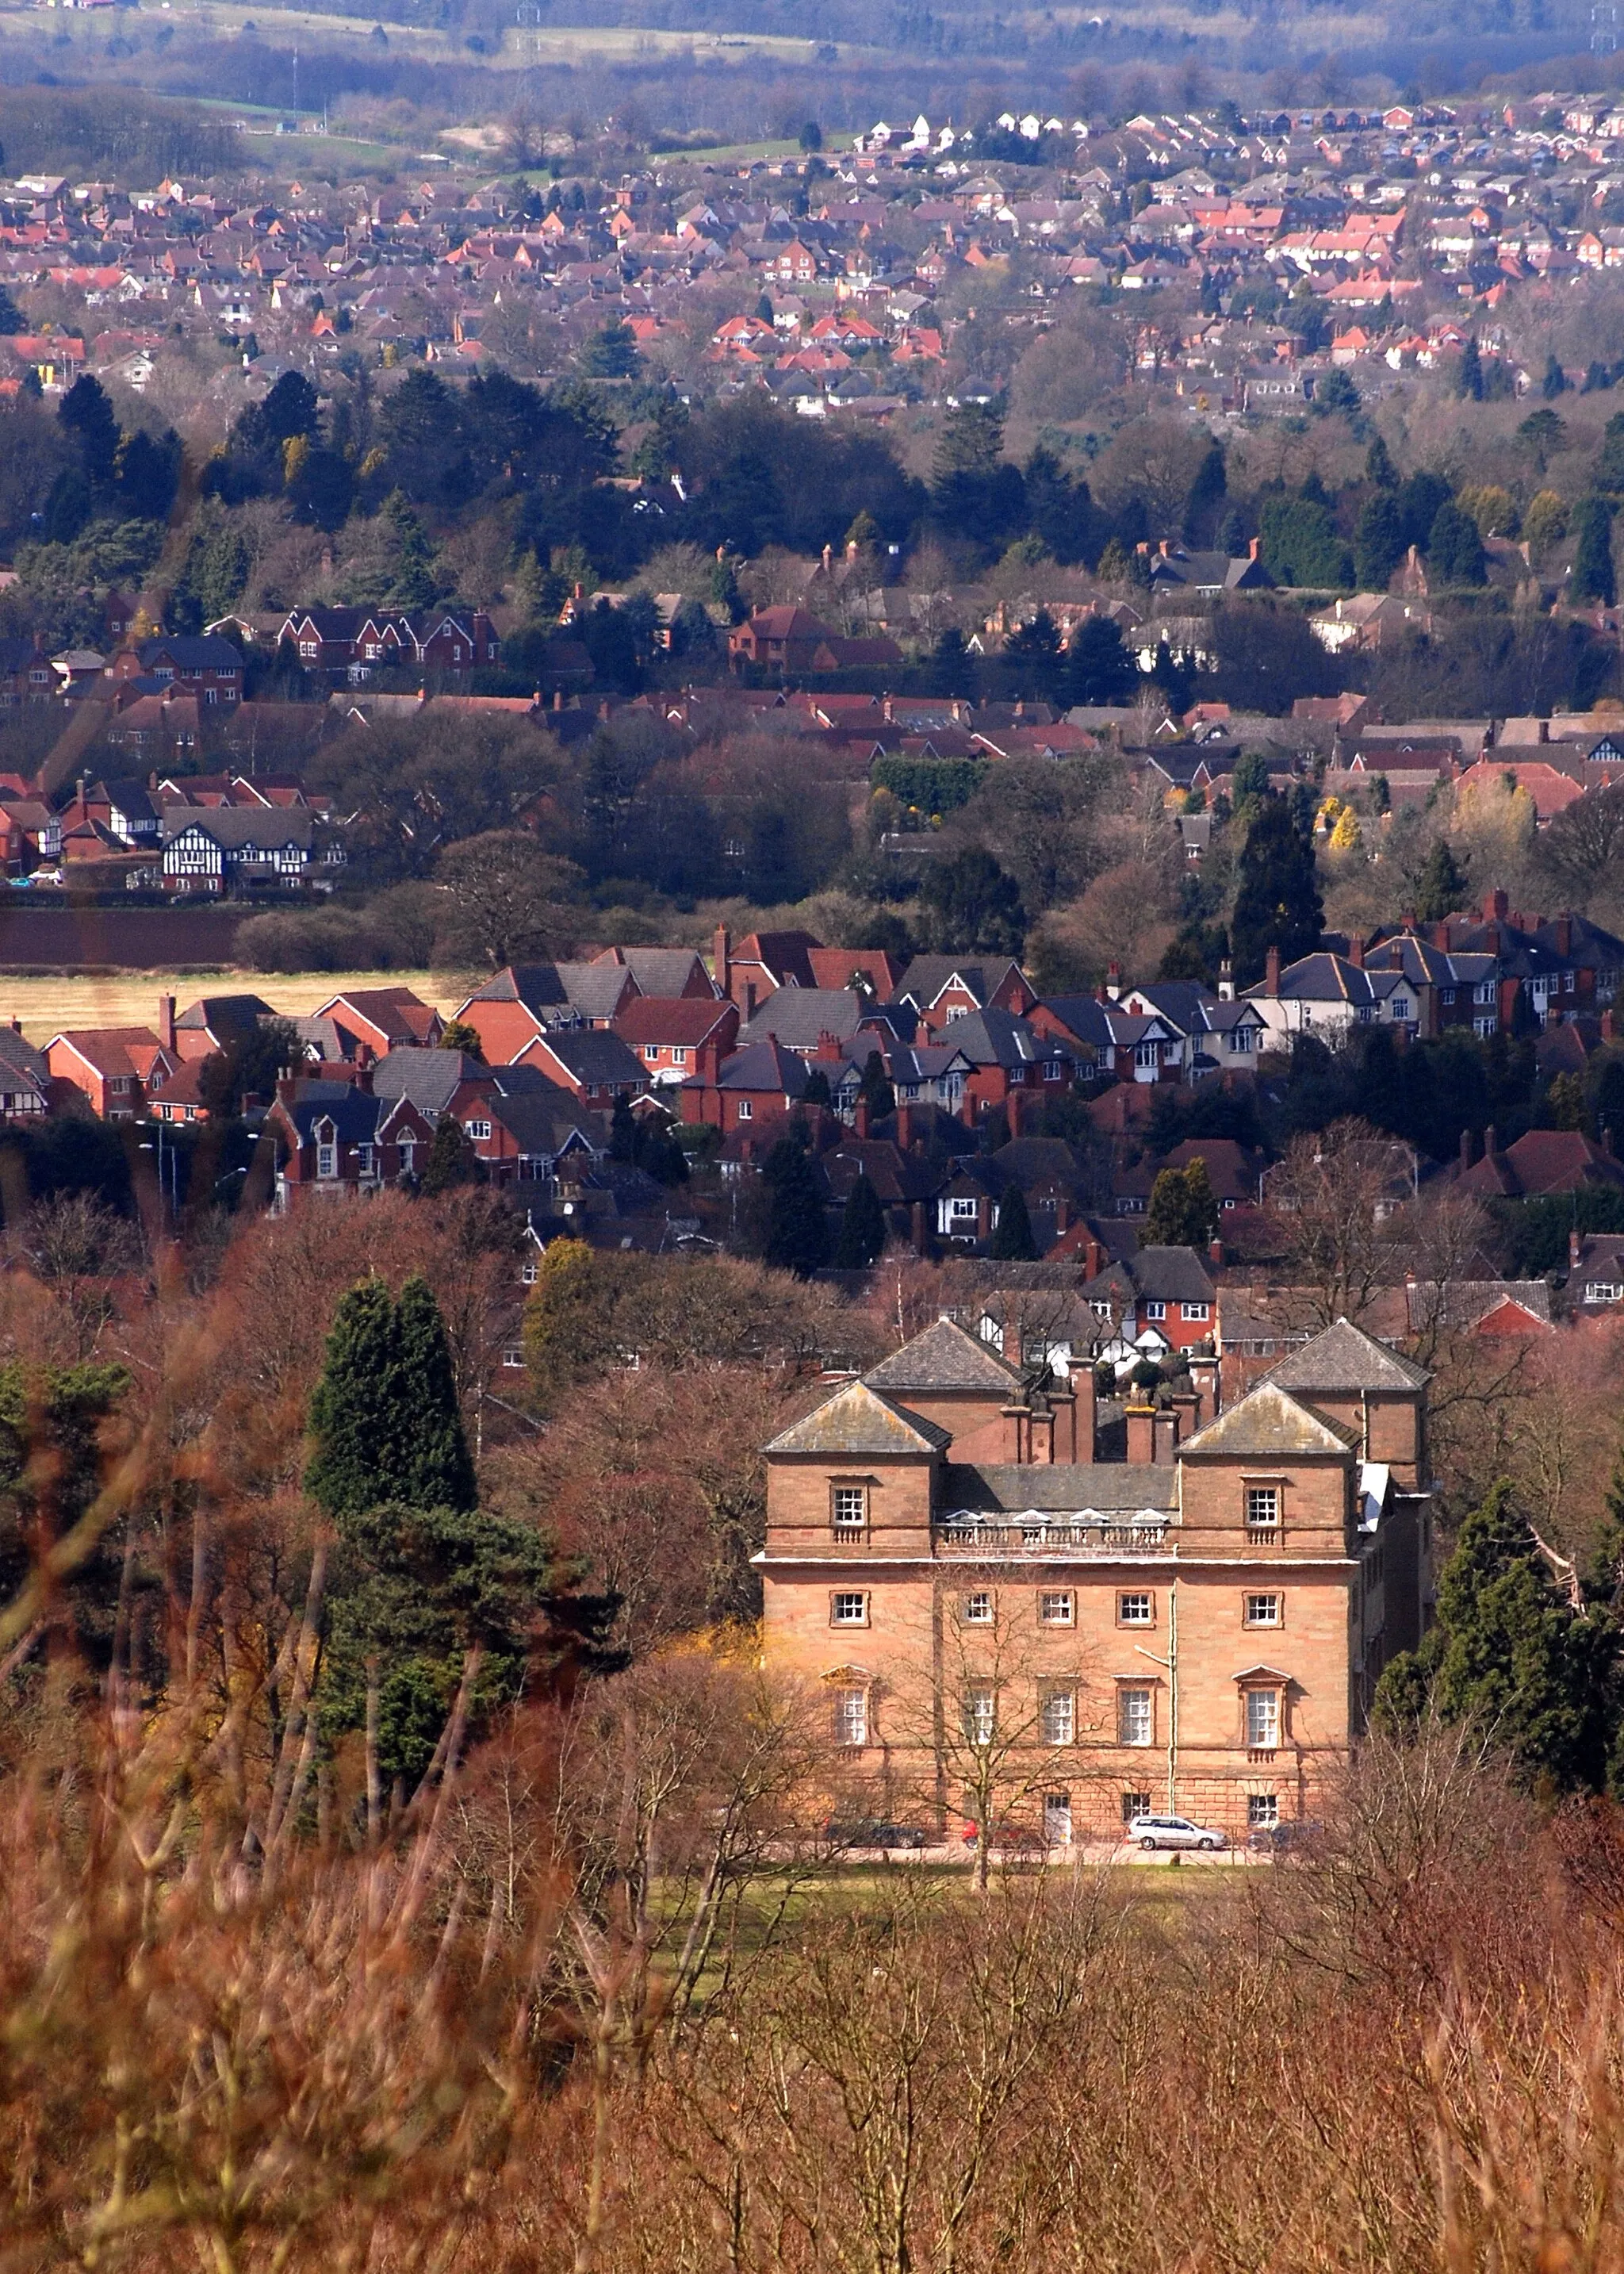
point(944, 1357)
point(1111, 1488)
point(1345, 1358)
point(798, 1015)
point(429, 1078)
point(1268, 1424)
point(593, 1054)
point(858, 1420)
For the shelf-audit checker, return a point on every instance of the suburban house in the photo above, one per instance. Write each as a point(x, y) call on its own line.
point(526, 1000)
point(1326, 994)
point(380, 1020)
point(520, 1125)
point(754, 1086)
point(207, 667)
point(596, 1067)
point(117, 1068)
point(24, 1076)
point(941, 988)
point(668, 1032)
point(213, 1023)
point(337, 1140)
point(1197, 1629)
point(224, 850)
point(1156, 1300)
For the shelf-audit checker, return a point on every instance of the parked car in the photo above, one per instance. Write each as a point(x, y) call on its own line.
point(1277, 1839)
point(1176, 1832)
point(868, 1832)
point(1011, 1839)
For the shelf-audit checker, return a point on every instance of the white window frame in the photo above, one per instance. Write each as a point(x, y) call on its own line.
point(1157, 1311)
point(1263, 1610)
point(478, 1130)
point(1058, 1717)
point(1136, 1715)
point(327, 1162)
point(1057, 1608)
point(848, 1607)
point(1195, 1314)
point(746, 1109)
point(1263, 1721)
point(980, 1716)
point(851, 1714)
point(1263, 1509)
point(512, 1355)
point(979, 1609)
point(1136, 1617)
point(848, 1509)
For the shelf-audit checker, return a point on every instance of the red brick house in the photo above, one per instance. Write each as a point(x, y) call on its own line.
point(383, 1019)
point(943, 987)
point(528, 1000)
point(759, 1084)
point(119, 1069)
point(335, 1139)
point(668, 1035)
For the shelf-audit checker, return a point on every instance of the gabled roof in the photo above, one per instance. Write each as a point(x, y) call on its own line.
point(430, 1078)
point(763, 1068)
point(667, 1019)
point(1268, 1424)
point(799, 1015)
point(944, 1359)
point(858, 1420)
point(591, 1054)
point(1345, 1358)
point(928, 976)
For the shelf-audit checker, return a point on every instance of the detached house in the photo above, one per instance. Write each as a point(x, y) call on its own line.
point(119, 1069)
point(335, 1139)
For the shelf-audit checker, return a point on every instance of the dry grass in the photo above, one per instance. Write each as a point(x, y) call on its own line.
point(46, 1006)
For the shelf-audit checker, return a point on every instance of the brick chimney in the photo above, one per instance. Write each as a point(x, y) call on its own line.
point(363, 1069)
point(722, 957)
point(1440, 936)
point(1142, 1435)
point(1014, 1107)
point(1164, 1439)
point(1226, 981)
point(1017, 1435)
point(919, 1231)
point(1215, 1253)
point(1186, 1405)
point(983, 1217)
point(905, 1128)
point(1489, 1145)
point(1468, 1150)
point(1252, 544)
point(1094, 1258)
point(1356, 952)
point(1573, 1249)
point(1564, 935)
point(1113, 981)
point(1083, 1421)
point(967, 1110)
point(860, 1121)
point(166, 1022)
point(828, 1051)
point(747, 1007)
point(1063, 1214)
point(1496, 908)
point(1271, 972)
point(709, 1062)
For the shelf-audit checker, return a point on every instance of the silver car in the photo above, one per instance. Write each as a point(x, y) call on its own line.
point(1175, 1831)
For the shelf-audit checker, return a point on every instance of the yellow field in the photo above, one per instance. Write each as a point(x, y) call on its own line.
point(45, 1006)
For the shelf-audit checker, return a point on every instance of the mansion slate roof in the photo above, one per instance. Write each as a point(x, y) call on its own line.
point(1345, 1358)
point(1267, 1424)
point(945, 1358)
point(858, 1420)
point(1110, 1488)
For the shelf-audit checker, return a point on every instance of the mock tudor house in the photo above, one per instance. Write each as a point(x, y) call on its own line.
point(1199, 1628)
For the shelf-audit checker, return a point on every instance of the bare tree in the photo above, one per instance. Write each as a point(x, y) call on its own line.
point(1328, 1194)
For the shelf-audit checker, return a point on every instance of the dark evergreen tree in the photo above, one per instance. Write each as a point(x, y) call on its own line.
point(1099, 667)
point(969, 903)
point(1469, 378)
point(1455, 548)
point(953, 669)
point(1380, 470)
point(1012, 1240)
point(1183, 1210)
point(1278, 903)
point(1511, 1652)
point(1232, 534)
point(88, 416)
point(1204, 500)
point(1378, 542)
point(452, 1159)
point(385, 1419)
point(1592, 577)
point(876, 1088)
point(1034, 650)
point(415, 585)
point(147, 474)
point(863, 1228)
point(797, 1232)
point(1555, 380)
point(1419, 498)
point(1440, 888)
point(817, 1091)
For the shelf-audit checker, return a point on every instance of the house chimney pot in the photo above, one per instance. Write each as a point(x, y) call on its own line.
point(1564, 935)
point(1141, 1435)
point(860, 1116)
point(1271, 972)
point(1356, 952)
point(1214, 1252)
point(166, 1022)
point(1573, 1249)
point(1226, 981)
point(1490, 1144)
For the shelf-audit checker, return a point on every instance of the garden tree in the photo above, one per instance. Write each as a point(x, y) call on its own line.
point(968, 903)
point(611, 353)
point(1565, 1106)
point(1337, 391)
point(1035, 652)
point(147, 474)
point(1277, 903)
point(1542, 433)
point(1204, 500)
point(1184, 1209)
point(1300, 545)
point(1581, 848)
point(817, 1091)
point(1268, 657)
point(1555, 380)
point(1232, 533)
point(1420, 495)
point(863, 1228)
point(385, 1424)
point(1441, 885)
point(876, 1088)
point(1013, 1240)
point(416, 584)
point(1099, 667)
point(250, 1067)
point(1610, 459)
point(1468, 378)
point(451, 1160)
point(1325, 1195)
point(796, 1233)
point(1454, 547)
point(457, 1034)
point(1516, 1651)
point(975, 491)
point(89, 418)
point(1380, 470)
point(507, 896)
point(1378, 542)
point(54, 1421)
point(1592, 577)
point(953, 669)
